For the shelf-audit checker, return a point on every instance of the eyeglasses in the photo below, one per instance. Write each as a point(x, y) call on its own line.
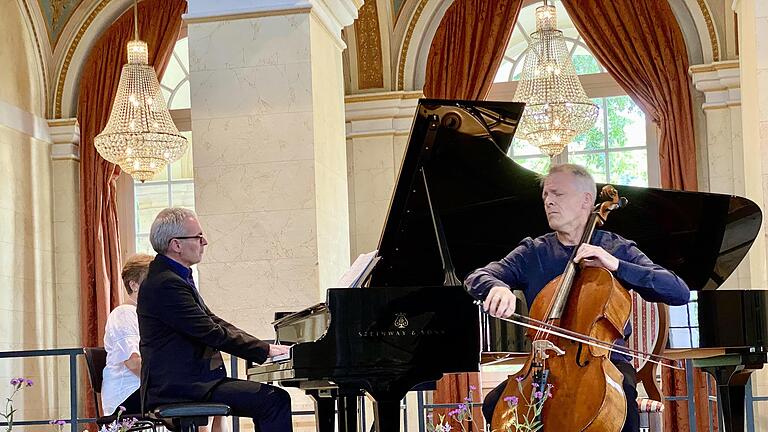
point(199, 238)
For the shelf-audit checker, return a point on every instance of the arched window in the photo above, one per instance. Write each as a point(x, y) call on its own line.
point(173, 187)
point(620, 148)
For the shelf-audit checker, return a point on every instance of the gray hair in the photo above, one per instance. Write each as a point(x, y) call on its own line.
point(168, 224)
point(584, 180)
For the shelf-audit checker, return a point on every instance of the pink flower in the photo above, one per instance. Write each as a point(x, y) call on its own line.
point(538, 395)
point(512, 400)
point(472, 388)
point(519, 379)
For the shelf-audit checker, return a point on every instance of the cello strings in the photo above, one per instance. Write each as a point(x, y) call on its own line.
point(542, 327)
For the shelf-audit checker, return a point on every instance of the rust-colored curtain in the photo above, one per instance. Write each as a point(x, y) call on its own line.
point(642, 47)
point(465, 55)
point(468, 47)
point(159, 24)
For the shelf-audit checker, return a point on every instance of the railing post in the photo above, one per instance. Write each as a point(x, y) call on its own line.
point(73, 392)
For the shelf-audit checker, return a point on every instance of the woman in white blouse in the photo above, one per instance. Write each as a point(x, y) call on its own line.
point(121, 340)
point(120, 386)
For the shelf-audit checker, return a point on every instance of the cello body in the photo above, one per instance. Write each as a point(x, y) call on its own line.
point(587, 392)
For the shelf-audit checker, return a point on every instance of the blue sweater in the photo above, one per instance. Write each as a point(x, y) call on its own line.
point(535, 262)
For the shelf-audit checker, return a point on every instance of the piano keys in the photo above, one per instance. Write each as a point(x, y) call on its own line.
point(458, 204)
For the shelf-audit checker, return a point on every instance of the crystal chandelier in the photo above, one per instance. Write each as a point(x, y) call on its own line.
point(140, 135)
point(557, 109)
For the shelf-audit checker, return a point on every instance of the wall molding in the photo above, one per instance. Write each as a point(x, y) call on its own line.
point(25, 122)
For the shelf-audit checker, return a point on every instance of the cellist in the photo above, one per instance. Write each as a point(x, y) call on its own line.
point(569, 196)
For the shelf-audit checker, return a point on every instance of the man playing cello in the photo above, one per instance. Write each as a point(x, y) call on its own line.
point(569, 197)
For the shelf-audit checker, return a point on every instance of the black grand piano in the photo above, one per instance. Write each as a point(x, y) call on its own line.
point(460, 203)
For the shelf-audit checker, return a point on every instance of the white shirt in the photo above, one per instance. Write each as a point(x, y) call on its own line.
point(121, 339)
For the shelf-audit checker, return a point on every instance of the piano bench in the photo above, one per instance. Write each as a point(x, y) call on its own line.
point(188, 417)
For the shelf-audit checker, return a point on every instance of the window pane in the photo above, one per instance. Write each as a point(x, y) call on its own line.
point(521, 147)
point(678, 316)
point(181, 49)
point(183, 195)
point(629, 167)
point(143, 245)
point(150, 199)
point(626, 122)
point(594, 162)
point(181, 98)
point(504, 70)
point(680, 338)
point(182, 168)
point(173, 74)
point(593, 139)
point(584, 62)
point(539, 165)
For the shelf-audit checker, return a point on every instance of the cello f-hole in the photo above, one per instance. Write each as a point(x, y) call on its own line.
point(578, 356)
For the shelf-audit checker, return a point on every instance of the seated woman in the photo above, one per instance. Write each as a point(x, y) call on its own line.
point(120, 386)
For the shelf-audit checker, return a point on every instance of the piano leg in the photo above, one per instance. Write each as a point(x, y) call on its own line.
point(387, 414)
point(731, 373)
point(348, 412)
point(325, 409)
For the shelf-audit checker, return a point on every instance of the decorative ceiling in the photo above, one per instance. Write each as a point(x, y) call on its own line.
point(56, 14)
point(396, 5)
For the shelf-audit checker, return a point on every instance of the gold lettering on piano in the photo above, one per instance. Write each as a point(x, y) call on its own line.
point(384, 333)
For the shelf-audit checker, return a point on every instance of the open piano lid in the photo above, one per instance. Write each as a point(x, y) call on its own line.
point(487, 203)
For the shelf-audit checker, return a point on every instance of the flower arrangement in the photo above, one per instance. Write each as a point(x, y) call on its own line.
point(534, 404)
point(462, 414)
point(119, 425)
point(527, 422)
point(18, 384)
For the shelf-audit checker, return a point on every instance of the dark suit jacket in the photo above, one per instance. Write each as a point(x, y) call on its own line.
point(181, 339)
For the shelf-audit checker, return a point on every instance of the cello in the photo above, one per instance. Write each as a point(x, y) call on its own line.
point(586, 387)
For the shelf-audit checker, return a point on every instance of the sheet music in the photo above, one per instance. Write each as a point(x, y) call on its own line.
point(359, 270)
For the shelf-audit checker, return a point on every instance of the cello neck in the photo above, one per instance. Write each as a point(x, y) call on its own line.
point(569, 274)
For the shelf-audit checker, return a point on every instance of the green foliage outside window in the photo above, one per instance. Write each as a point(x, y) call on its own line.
point(618, 156)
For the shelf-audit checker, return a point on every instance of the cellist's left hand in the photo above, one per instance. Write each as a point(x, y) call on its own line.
point(595, 256)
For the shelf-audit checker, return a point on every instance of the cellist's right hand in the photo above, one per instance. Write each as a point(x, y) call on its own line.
point(500, 302)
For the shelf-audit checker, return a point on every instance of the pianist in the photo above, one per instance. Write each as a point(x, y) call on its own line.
point(569, 196)
point(181, 338)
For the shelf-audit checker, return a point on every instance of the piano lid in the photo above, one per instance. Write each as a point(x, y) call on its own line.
point(487, 203)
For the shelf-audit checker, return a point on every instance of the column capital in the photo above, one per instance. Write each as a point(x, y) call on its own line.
point(65, 134)
point(335, 14)
point(720, 83)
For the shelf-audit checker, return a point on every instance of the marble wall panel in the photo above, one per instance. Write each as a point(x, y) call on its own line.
point(267, 41)
point(264, 235)
point(255, 187)
point(251, 139)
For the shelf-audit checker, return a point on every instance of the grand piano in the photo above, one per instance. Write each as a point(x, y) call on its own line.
point(460, 203)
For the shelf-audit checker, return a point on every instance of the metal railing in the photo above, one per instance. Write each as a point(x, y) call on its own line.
point(72, 353)
point(422, 406)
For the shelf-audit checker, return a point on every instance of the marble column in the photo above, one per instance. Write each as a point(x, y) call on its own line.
point(377, 133)
point(753, 59)
point(269, 152)
point(725, 152)
point(65, 157)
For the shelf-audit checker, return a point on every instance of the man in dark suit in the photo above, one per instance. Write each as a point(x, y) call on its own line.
point(181, 338)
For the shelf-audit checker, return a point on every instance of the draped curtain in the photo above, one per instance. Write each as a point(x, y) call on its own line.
point(641, 46)
point(468, 47)
point(100, 284)
point(465, 54)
